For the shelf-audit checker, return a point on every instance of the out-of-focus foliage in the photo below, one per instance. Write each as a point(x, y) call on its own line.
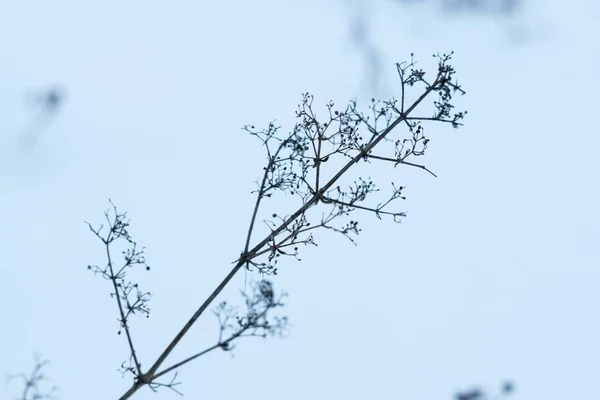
point(360, 24)
point(506, 389)
point(505, 7)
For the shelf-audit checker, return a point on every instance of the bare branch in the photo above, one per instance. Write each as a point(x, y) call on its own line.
point(256, 322)
point(129, 298)
point(309, 163)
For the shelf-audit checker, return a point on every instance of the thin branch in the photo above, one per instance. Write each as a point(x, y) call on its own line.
point(118, 229)
point(259, 198)
point(398, 161)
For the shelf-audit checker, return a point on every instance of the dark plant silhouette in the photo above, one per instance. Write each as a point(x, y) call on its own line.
point(318, 163)
point(309, 163)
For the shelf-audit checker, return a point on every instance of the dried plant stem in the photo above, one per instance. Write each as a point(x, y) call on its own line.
point(248, 255)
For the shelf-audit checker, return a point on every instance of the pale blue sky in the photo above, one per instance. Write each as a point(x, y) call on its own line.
point(493, 274)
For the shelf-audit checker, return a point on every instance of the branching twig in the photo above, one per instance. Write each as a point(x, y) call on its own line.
point(296, 165)
point(130, 299)
point(254, 323)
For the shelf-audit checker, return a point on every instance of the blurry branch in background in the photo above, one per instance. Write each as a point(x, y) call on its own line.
point(48, 100)
point(489, 7)
point(34, 382)
point(506, 389)
point(317, 162)
point(48, 104)
point(360, 24)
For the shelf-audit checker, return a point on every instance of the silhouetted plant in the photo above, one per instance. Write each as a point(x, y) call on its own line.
point(296, 165)
point(317, 162)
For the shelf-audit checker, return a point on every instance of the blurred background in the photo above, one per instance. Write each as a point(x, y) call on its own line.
point(492, 277)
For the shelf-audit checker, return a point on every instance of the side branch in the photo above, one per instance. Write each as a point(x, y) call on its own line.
point(400, 161)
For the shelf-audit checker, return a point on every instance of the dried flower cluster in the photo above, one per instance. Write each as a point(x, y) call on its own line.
point(297, 163)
